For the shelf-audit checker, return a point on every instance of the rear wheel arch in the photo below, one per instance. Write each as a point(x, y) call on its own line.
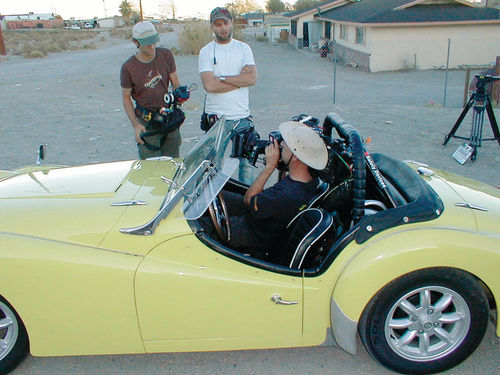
point(403, 333)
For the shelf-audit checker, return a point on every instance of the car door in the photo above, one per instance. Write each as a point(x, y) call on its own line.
point(189, 297)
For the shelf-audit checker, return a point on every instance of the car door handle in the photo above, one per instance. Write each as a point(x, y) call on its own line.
point(277, 300)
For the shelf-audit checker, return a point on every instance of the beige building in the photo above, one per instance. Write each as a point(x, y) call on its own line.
point(382, 35)
point(305, 29)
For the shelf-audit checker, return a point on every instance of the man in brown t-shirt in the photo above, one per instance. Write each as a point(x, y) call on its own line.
point(145, 78)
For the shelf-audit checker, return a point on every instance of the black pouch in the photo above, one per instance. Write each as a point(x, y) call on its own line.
point(173, 120)
point(207, 121)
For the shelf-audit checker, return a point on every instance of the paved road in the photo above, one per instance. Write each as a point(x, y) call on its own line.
point(72, 103)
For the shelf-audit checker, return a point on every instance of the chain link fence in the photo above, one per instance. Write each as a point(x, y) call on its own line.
point(447, 79)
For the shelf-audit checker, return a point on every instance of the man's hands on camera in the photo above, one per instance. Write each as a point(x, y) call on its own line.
point(272, 154)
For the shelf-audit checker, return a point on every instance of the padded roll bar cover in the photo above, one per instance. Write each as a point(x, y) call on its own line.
point(353, 139)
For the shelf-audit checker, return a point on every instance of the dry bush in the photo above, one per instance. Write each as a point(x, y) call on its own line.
point(38, 43)
point(123, 32)
point(89, 46)
point(194, 36)
point(164, 29)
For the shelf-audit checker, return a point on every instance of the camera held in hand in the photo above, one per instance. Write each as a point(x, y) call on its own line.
point(247, 143)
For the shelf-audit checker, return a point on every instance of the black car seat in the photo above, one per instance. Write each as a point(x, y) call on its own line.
point(306, 237)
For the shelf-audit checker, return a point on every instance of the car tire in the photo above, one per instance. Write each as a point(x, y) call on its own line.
point(426, 321)
point(13, 338)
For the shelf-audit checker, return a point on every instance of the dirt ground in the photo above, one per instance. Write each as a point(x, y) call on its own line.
point(72, 103)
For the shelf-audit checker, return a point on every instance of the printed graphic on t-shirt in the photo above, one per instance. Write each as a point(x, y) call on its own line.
point(153, 82)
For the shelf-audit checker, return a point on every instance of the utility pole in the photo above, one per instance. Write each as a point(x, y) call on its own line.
point(140, 7)
point(3, 51)
point(173, 10)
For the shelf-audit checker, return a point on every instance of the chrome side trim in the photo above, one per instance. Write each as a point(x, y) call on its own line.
point(150, 227)
point(71, 244)
point(344, 329)
point(417, 163)
point(471, 206)
point(129, 203)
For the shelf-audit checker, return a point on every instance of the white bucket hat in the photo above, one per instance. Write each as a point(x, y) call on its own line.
point(145, 33)
point(305, 144)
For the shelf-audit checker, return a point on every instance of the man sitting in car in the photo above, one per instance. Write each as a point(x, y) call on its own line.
point(257, 219)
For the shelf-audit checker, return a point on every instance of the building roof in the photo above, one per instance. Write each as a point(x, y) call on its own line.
point(408, 11)
point(318, 7)
point(253, 16)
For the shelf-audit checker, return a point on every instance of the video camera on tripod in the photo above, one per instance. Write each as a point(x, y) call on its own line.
point(481, 100)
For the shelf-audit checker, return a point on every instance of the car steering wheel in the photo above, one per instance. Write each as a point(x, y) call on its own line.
point(220, 218)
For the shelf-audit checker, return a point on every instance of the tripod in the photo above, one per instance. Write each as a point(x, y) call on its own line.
point(481, 101)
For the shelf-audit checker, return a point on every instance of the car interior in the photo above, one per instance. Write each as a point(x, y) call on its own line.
point(358, 196)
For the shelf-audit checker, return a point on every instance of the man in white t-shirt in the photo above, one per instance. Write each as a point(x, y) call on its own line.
point(227, 70)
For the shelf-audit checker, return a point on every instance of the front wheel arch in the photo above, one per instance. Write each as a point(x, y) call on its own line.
point(426, 321)
point(14, 343)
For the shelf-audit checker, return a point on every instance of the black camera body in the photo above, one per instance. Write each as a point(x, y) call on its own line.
point(247, 143)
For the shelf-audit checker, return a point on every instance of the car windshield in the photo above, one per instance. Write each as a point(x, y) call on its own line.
point(206, 169)
point(199, 178)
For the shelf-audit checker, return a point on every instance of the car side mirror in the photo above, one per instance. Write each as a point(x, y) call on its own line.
point(40, 154)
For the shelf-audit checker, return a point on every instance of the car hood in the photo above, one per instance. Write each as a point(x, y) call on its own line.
point(480, 199)
point(82, 204)
point(56, 181)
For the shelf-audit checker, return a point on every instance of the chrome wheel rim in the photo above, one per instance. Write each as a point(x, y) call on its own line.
point(9, 330)
point(427, 323)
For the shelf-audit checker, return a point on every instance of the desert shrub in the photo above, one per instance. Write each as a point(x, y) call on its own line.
point(89, 46)
point(194, 36)
point(125, 33)
point(32, 43)
point(164, 29)
point(35, 54)
point(52, 47)
point(176, 51)
point(238, 32)
point(262, 38)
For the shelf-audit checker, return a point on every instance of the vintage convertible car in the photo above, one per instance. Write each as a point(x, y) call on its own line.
point(113, 258)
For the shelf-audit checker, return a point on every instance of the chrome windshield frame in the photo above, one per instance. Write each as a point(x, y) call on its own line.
point(149, 228)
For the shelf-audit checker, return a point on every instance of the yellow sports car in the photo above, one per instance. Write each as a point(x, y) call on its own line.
point(113, 258)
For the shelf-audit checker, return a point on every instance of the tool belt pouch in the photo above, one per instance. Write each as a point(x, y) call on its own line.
point(207, 121)
point(157, 123)
point(171, 121)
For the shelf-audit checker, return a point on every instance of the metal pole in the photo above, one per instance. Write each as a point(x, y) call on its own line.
point(446, 75)
point(3, 51)
point(334, 72)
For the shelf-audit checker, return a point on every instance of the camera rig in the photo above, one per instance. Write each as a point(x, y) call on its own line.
point(248, 144)
point(480, 100)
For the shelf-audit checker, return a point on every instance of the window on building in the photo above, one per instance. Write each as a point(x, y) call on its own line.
point(293, 27)
point(343, 32)
point(328, 30)
point(360, 35)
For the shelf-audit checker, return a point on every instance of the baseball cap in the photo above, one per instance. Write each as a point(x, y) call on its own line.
point(305, 144)
point(220, 13)
point(145, 33)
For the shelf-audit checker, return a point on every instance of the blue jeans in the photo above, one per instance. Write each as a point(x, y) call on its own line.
point(245, 171)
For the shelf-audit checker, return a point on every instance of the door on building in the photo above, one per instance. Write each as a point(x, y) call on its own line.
point(305, 34)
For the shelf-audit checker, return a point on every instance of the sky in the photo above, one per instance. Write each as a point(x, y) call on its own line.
point(82, 9)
